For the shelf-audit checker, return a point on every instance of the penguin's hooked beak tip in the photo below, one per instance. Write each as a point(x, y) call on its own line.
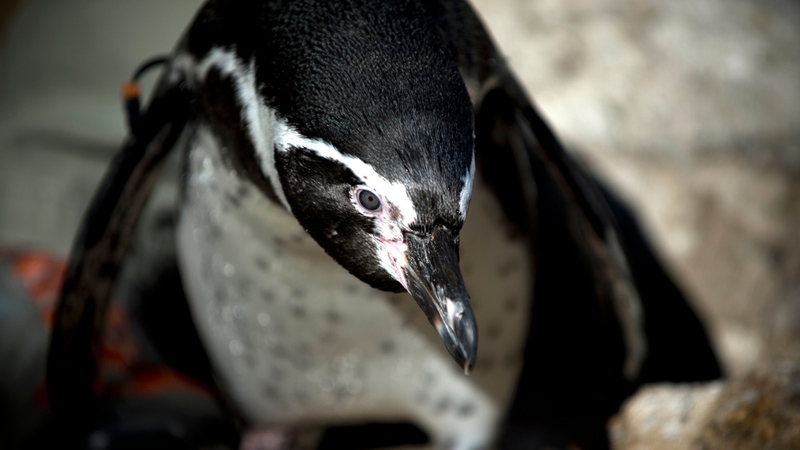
point(463, 347)
point(434, 280)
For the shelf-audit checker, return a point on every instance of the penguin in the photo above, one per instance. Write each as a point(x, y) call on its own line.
point(367, 190)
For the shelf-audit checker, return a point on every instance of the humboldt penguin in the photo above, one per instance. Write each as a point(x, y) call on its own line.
point(367, 191)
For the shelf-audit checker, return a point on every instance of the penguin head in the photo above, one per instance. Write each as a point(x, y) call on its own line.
point(375, 159)
point(387, 201)
point(362, 198)
point(363, 128)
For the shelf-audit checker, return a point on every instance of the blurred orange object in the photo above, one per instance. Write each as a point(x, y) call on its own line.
point(42, 275)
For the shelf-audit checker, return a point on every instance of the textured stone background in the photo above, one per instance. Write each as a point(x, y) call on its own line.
point(689, 108)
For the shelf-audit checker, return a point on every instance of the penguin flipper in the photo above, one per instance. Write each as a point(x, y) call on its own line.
point(600, 291)
point(577, 349)
point(99, 249)
point(685, 356)
point(673, 357)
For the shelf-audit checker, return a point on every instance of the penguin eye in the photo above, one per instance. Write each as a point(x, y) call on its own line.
point(369, 200)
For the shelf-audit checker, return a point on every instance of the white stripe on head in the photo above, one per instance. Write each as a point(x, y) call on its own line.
point(466, 191)
point(269, 133)
point(394, 194)
point(259, 120)
point(390, 248)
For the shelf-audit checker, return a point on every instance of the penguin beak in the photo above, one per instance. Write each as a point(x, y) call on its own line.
point(434, 280)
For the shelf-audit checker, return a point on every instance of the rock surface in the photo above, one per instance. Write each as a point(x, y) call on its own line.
point(761, 411)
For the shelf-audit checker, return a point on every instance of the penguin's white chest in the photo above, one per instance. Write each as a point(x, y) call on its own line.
point(296, 339)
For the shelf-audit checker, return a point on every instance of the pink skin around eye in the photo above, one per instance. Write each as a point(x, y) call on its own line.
point(397, 254)
point(394, 246)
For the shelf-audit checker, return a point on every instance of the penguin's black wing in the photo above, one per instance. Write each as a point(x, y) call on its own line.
point(99, 249)
point(605, 317)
